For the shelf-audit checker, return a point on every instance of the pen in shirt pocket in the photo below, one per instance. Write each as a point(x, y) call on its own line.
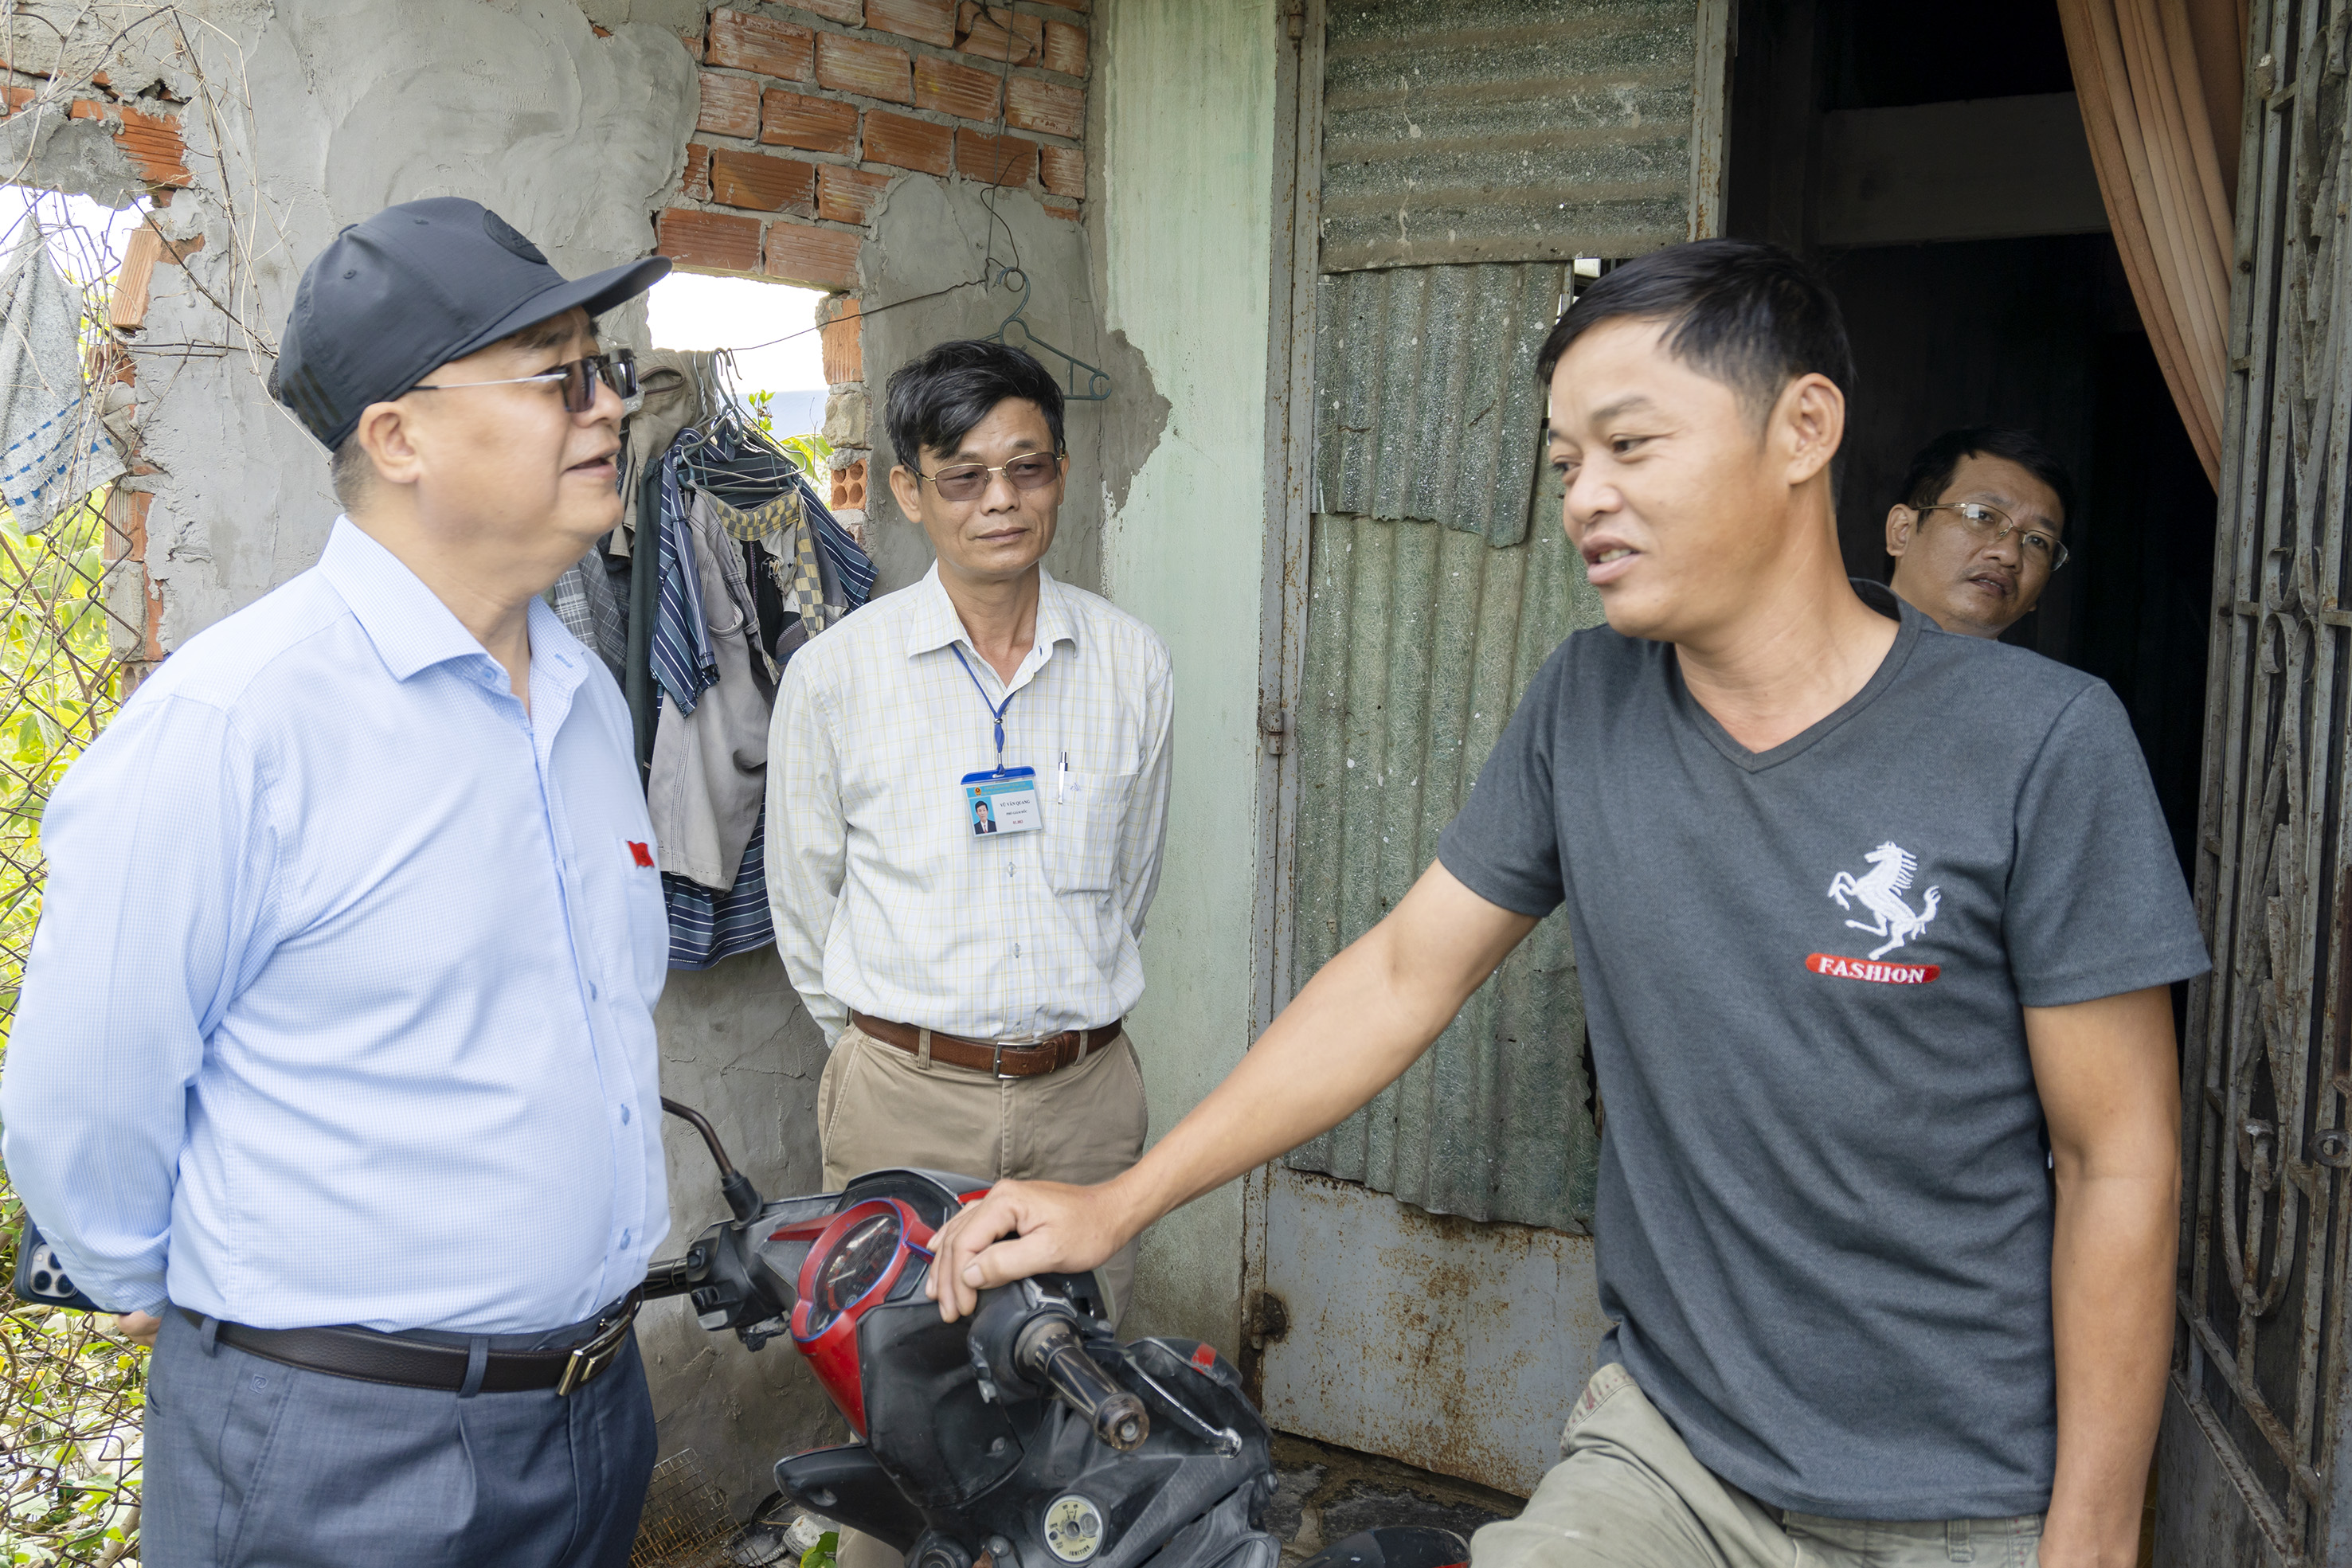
point(1061, 779)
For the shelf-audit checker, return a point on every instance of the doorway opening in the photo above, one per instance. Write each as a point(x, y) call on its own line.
point(1931, 159)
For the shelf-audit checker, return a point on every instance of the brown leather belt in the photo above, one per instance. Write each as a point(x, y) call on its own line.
point(1050, 1054)
point(372, 1357)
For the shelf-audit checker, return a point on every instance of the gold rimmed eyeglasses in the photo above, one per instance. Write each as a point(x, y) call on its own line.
point(1990, 525)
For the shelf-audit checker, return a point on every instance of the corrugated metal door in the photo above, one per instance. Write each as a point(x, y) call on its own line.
point(1454, 161)
point(2254, 1467)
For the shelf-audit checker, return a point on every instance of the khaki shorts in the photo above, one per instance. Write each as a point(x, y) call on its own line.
point(1628, 1494)
point(877, 1105)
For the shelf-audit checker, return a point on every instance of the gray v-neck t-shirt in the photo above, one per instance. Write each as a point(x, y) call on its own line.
point(1823, 1217)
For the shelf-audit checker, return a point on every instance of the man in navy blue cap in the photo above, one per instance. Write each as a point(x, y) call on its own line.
point(335, 1058)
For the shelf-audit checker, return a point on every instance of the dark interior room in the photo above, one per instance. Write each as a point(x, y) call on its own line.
point(1931, 159)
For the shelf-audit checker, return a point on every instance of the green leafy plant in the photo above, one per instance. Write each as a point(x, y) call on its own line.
point(815, 454)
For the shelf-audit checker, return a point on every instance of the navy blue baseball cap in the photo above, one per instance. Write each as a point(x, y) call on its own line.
point(412, 289)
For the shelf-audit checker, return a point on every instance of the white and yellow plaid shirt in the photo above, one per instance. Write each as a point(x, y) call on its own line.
point(885, 900)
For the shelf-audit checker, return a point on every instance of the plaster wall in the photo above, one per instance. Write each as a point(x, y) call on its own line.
point(1187, 98)
point(302, 117)
point(932, 240)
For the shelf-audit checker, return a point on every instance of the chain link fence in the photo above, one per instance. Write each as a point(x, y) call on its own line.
point(73, 623)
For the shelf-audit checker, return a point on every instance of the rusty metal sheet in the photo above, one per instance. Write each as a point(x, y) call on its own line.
point(1426, 400)
point(1459, 1348)
point(1418, 640)
point(2262, 1366)
point(1506, 129)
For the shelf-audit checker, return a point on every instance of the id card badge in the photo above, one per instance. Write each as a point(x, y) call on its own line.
point(1002, 801)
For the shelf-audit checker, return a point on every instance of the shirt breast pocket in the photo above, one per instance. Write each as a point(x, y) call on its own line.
point(1082, 831)
point(648, 918)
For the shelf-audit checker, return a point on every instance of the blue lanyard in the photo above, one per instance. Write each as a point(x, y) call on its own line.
point(995, 710)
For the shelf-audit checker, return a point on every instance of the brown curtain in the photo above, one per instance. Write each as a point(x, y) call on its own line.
point(2161, 85)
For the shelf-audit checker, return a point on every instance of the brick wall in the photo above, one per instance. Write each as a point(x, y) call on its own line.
point(810, 109)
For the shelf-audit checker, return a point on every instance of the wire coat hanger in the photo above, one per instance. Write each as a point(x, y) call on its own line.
point(1098, 383)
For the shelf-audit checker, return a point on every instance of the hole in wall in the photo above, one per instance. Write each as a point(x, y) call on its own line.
point(689, 310)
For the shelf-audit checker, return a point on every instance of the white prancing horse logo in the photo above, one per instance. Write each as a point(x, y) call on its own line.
point(1881, 889)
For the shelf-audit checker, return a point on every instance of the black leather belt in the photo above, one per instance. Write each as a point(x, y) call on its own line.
point(405, 1362)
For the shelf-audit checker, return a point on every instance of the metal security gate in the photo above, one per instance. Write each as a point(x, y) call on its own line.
point(2253, 1464)
point(1453, 164)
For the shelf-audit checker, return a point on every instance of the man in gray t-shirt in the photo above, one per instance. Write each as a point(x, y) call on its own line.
point(1823, 1214)
point(1875, 927)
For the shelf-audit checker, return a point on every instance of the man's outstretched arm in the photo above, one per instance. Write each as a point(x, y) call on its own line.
point(2110, 1093)
point(1354, 1029)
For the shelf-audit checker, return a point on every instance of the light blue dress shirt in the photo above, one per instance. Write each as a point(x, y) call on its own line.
point(340, 1006)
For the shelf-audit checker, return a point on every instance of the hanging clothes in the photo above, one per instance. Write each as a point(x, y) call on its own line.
point(584, 599)
point(53, 447)
point(748, 565)
point(710, 753)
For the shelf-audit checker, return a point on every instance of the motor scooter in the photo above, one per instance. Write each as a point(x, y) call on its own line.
point(1027, 1437)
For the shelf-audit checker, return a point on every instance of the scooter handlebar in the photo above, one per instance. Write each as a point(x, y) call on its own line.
point(1049, 1353)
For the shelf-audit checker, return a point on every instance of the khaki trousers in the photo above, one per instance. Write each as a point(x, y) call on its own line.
point(1627, 1493)
point(877, 1105)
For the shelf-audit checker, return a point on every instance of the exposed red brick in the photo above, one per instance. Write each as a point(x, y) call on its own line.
point(806, 255)
point(1061, 209)
point(1046, 106)
point(85, 109)
point(175, 252)
point(849, 487)
point(762, 44)
point(720, 242)
point(134, 279)
point(1063, 170)
point(932, 21)
point(17, 96)
point(852, 12)
point(696, 186)
point(816, 124)
point(861, 65)
point(731, 106)
point(996, 160)
point(1066, 48)
point(126, 513)
point(904, 142)
point(844, 360)
point(992, 31)
point(952, 89)
point(766, 184)
point(600, 32)
point(153, 144)
point(847, 195)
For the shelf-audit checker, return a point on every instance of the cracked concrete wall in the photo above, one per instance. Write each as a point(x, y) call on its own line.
point(932, 240)
point(1187, 100)
point(302, 117)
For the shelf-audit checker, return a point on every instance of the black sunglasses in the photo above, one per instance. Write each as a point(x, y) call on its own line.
point(617, 370)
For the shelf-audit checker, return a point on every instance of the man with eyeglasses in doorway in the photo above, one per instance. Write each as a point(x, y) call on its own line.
point(967, 800)
point(1980, 528)
point(335, 1062)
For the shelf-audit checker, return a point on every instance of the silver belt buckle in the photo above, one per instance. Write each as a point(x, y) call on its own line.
point(996, 1050)
point(590, 1359)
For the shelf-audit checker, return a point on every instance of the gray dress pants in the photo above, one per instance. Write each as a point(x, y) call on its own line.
point(254, 1464)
